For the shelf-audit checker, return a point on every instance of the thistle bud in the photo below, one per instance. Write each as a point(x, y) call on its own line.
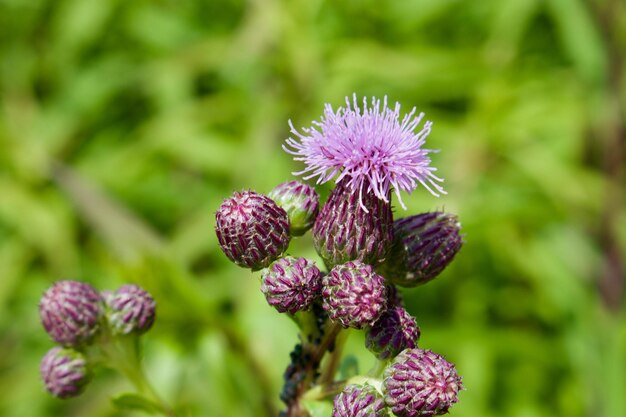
point(130, 310)
point(71, 312)
point(423, 246)
point(359, 401)
point(420, 383)
point(291, 284)
point(301, 203)
point(348, 229)
point(354, 295)
point(393, 332)
point(64, 372)
point(252, 230)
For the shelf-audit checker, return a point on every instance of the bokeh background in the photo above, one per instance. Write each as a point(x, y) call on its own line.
point(124, 123)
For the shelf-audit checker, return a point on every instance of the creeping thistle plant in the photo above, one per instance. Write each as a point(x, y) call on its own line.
point(371, 153)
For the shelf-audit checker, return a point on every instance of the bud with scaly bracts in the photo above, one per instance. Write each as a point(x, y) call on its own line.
point(354, 295)
point(301, 203)
point(359, 401)
point(71, 312)
point(252, 230)
point(130, 310)
point(393, 332)
point(291, 284)
point(423, 246)
point(353, 227)
point(420, 383)
point(64, 372)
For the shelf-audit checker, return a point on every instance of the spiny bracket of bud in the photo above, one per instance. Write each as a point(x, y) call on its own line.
point(393, 332)
point(291, 284)
point(423, 246)
point(359, 401)
point(252, 230)
point(64, 372)
point(354, 295)
point(300, 201)
point(130, 310)
point(420, 383)
point(71, 312)
point(345, 231)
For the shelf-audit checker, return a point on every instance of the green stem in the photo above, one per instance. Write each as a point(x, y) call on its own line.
point(123, 355)
point(332, 363)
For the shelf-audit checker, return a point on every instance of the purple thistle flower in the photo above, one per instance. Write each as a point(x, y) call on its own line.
point(252, 230)
point(371, 146)
point(354, 295)
point(301, 203)
point(291, 284)
point(131, 309)
point(423, 246)
point(393, 332)
point(71, 312)
point(420, 383)
point(359, 401)
point(64, 372)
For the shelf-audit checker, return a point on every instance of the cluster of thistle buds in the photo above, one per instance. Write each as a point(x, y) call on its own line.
point(367, 255)
point(88, 326)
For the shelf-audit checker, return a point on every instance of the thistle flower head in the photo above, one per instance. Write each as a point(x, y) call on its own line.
point(252, 230)
point(300, 201)
point(420, 383)
point(291, 284)
point(354, 295)
point(393, 332)
point(71, 312)
point(423, 245)
point(64, 372)
point(130, 309)
point(359, 401)
point(372, 146)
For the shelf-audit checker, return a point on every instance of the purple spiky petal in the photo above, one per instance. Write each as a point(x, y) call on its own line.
point(393, 332)
point(359, 401)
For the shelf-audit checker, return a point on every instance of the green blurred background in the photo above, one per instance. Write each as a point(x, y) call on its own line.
point(124, 123)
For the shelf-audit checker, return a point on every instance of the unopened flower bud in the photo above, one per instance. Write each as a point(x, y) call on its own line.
point(64, 372)
point(252, 230)
point(354, 295)
point(130, 310)
point(359, 401)
point(291, 284)
point(423, 246)
point(420, 383)
point(348, 229)
point(301, 203)
point(71, 312)
point(393, 332)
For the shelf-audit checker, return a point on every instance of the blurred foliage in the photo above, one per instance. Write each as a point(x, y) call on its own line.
point(123, 124)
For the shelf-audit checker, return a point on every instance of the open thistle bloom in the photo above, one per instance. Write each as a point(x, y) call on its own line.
point(359, 401)
point(372, 147)
point(420, 383)
point(71, 312)
point(64, 372)
point(130, 310)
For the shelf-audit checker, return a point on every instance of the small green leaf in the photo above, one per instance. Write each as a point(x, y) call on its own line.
point(135, 402)
point(319, 408)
